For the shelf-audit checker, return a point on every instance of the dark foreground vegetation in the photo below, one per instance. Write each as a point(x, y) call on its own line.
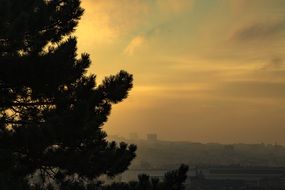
point(173, 180)
point(51, 111)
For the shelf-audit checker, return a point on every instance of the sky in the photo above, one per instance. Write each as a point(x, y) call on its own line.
point(204, 70)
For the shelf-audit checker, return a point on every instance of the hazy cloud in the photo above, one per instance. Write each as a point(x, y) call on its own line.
point(275, 63)
point(253, 89)
point(259, 31)
point(174, 6)
point(111, 19)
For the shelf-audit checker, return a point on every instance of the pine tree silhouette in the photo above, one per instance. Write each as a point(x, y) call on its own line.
point(51, 111)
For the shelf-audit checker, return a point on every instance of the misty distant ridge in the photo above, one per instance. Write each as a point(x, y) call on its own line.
point(157, 154)
point(155, 138)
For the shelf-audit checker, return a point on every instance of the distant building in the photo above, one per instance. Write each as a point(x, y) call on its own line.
point(152, 137)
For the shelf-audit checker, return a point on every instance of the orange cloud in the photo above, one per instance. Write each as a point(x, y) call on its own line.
point(134, 44)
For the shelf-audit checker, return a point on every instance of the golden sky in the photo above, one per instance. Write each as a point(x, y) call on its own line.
point(204, 70)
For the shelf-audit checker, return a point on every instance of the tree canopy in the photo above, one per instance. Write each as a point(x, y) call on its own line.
point(51, 110)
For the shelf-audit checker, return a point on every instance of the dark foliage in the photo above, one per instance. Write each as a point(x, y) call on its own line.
point(51, 111)
point(173, 180)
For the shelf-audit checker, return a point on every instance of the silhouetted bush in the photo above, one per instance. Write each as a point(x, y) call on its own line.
point(173, 180)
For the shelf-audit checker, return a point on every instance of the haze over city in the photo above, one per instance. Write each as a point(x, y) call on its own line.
point(204, 70)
